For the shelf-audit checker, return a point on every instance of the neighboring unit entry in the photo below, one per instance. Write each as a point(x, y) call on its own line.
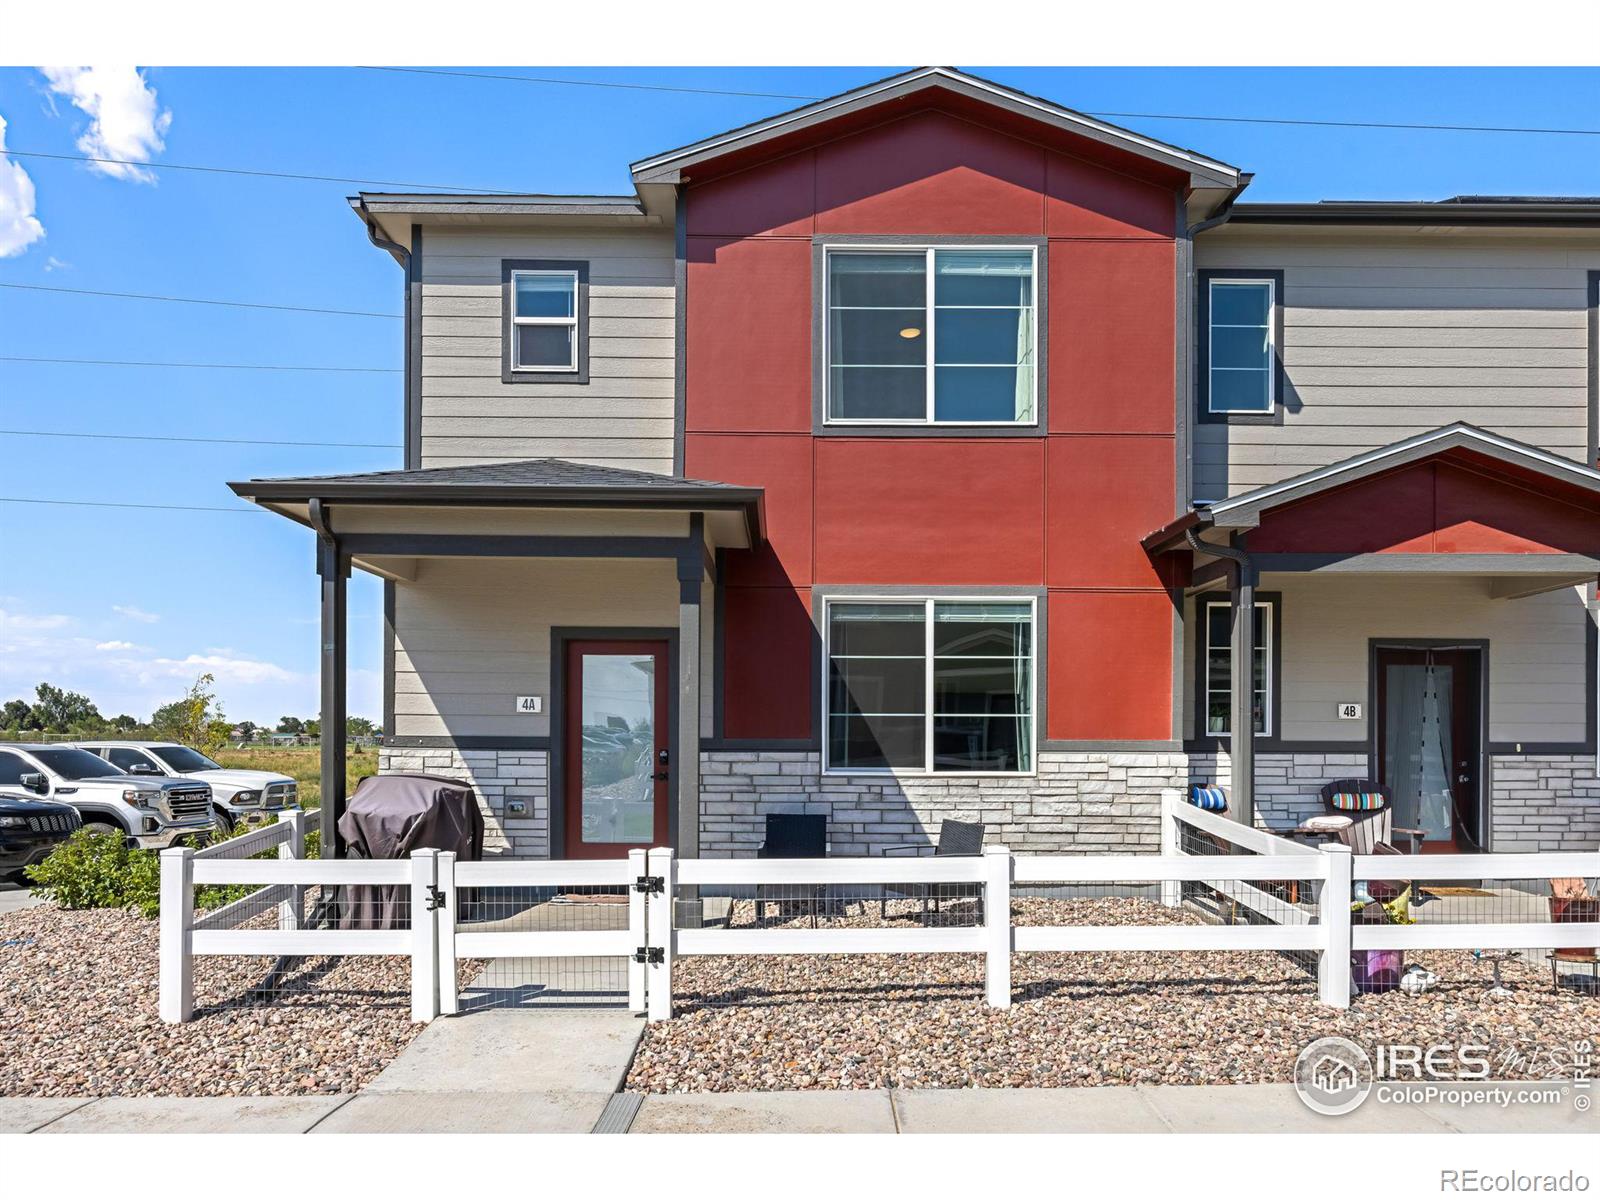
point(530, 704)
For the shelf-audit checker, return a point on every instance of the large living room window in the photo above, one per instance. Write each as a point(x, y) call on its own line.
point(930, 686)
point(931, 336)
point(1218, 617)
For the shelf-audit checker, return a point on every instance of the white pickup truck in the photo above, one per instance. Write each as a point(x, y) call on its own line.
point(152, 813)
point(236, 795)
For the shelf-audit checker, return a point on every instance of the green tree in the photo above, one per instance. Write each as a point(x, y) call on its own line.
point(15, 714)
point(57, 711)
point(313, 728)
point(123, 723)
point(358, 727)
point(291, 725)
point(247, 730)
point(196, 720)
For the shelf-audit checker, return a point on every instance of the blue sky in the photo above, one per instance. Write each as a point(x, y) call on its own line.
point(129, 605)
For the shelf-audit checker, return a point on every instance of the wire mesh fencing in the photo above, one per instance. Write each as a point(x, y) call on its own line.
point(525, 981)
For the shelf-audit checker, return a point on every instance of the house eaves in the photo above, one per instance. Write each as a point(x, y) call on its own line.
point(1556, 212)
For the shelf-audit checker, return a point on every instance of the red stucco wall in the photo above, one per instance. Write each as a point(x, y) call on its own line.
point(1063, 510)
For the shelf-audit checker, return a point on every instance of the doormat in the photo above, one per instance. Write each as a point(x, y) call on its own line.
point(589, 898)
point(1456, 891)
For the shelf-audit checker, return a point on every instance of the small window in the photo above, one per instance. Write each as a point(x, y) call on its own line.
point(928, 685)
point(128, 758)
point(1242, 357)
point(544, 320)
point(930, 336)
point(1218, 665)
point(12, 769)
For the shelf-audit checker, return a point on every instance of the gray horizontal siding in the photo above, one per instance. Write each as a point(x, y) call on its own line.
point(1389, 337)
point(622, 417)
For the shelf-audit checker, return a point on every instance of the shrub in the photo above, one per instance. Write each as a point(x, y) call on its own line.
point(99, 870)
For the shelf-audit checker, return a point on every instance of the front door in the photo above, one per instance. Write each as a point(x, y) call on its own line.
point(615, 728)
point(1428, 733)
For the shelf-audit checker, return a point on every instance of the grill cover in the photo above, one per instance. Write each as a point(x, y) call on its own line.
point(389, 816)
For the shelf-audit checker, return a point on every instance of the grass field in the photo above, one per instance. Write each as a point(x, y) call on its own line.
point(303, 764)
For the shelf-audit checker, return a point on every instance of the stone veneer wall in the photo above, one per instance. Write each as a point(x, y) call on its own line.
point(1288, 786)
point(498, 776)
point(1543, 802)
point(1086, 803)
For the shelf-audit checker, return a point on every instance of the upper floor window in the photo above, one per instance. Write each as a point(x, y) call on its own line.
point(545, 314)
point(1241, 341)
point(931, 335)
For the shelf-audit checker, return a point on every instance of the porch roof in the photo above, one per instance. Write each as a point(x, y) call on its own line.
point(1567, 490)
point(530, 483)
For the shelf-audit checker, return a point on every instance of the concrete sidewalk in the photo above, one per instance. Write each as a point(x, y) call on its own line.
point(568, 1093)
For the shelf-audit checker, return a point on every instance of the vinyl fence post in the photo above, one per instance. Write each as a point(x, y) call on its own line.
point(290, 911)
point(638, 868)
point(1171, 847)
point(447, 916)
point(658, 973)
point(424, 936)
point(1333, 908)
point(997, 926)
point(177, 934)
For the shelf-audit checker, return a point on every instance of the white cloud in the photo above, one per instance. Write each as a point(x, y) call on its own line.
point(116, 646)
point(135, 614)
point(52, 263)
point(224, 669)
point(19, 228)
point(125, 121)
point(15, 622)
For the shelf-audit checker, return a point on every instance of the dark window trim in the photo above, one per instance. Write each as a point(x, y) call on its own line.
point(507, 307)
point(1265, 743)
point(1202, 338)
point(1039, 427)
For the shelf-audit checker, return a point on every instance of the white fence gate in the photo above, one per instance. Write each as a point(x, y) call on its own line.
point(1316, 921)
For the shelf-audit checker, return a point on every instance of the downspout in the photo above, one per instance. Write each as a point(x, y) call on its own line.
point(1241, 647)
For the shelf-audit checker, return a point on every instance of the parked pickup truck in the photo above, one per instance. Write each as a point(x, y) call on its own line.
point(236, 795)
point(152, 813)
point(29, 829)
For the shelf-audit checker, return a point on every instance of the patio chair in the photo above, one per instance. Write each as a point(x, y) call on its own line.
point(962, 839)
point(1371, 829)
point(1571, 901)
point(793, 835)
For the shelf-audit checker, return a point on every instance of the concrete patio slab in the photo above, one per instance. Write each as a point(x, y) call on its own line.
point(516, 1051)
point(24, 1114)
point(767, 1112)
point(468, 1112)
point(1026, 1110)
point(198, 1114)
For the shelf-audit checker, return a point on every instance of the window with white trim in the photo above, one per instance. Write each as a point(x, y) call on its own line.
point(1218, 663)
point(1241, 359)
point(930, 335)
point(544, 321)
point(929, 686)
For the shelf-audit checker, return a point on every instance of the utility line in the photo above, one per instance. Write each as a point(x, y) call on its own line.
point(115, 362)
point(139, 437)
point(118, 504)
point(332, 312)
point(171, 166)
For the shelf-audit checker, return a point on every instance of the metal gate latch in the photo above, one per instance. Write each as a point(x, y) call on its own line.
point(649, 954)
point(649, 884)
point(435, 899)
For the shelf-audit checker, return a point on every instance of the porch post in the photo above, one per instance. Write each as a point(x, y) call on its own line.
point(333, 568)
point(1241, 715)
point(691, 568)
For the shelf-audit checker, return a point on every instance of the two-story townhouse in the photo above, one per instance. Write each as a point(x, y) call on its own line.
point(937, 451)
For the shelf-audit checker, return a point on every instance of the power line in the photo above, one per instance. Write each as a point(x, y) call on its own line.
point(120, 504)
point(632, 87)
point(139, 437)
point(171, 166)
point(332, 312)
point(115, 362)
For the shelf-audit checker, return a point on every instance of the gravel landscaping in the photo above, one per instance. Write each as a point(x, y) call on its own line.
point(79, 991)
point(919, 1021)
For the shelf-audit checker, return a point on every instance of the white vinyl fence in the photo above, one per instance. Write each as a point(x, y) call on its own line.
point(1277, 895)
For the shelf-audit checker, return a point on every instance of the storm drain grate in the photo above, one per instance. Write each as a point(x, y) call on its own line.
point(619, 1112)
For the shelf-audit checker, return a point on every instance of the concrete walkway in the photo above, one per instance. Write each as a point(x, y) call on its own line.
point(14, 897)
point(567, 1090)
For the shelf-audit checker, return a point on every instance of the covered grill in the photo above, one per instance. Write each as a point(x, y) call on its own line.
point(389, 816)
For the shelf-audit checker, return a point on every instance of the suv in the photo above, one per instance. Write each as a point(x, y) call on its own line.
point(30, 828)
point(152, 813)
point(236, 795)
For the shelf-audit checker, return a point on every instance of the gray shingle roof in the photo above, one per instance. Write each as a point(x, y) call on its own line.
point(527, 473)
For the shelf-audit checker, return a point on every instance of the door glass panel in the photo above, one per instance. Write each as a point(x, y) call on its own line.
point(619, 739)
point(1417, 747)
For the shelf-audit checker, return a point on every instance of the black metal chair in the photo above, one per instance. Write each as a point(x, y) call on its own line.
point(793, 835)
point(962, 839)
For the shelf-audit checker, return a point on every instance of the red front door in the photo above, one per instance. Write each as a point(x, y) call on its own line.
point(616, 726)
